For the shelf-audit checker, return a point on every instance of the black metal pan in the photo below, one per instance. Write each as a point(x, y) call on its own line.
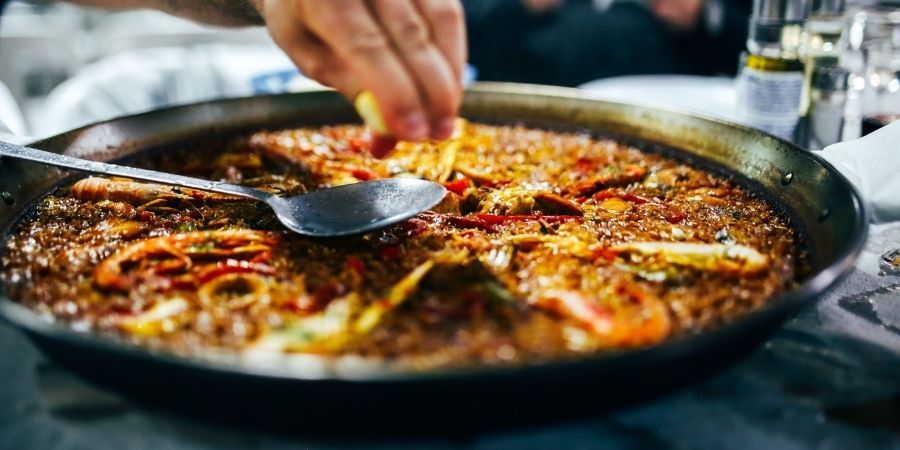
point(822, 204)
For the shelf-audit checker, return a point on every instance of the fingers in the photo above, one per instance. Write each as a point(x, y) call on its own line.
point(310, 55)
point(435, 79)
point(446, 20)
point(680, 15)
point(350, 30)
point(408, 53)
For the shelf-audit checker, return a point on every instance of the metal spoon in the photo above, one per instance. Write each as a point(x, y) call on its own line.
point(338, 211)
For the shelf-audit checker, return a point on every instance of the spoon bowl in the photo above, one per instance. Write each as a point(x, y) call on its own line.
point(338, 211)
point(356, 208)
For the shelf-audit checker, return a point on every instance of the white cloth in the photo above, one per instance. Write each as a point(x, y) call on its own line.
point(872, 164)
point(144, 79)
point(12, 125)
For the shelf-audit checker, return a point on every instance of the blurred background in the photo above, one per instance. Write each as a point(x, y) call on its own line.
point(66, 66)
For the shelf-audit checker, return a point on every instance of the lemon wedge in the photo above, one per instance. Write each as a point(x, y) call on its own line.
point(368, 109)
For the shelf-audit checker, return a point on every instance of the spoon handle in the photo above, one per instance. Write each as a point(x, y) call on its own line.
point(83, 165)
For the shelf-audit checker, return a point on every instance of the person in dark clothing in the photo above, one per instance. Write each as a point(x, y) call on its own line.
point(571, 42)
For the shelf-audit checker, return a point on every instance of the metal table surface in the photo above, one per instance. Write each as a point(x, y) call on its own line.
point(830, 378)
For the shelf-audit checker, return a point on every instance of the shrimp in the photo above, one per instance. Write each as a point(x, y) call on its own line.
point(610, 176)
point(139, 194)
point(629, 317)
point(167, 256)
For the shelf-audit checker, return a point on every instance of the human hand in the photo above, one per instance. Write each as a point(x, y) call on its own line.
point(408, 53)
point(542, 6)
point(680, 15)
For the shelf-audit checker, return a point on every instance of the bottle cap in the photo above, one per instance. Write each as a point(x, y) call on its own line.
point(830, 78)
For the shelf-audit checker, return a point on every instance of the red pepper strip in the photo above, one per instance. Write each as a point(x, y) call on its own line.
point(413, 227)
point(676, 218)
point(459, 186)
point(180, 283)
point(586, 165)
point(493, 184)
point(363, 174)
point(234, 266)
point(357, 144)
point(360, 173)
point(494, 219)
point(635, 199)
point(355, 264)
point(390, 252)
point(470, 222)
point(605, 254)
point(262, 257)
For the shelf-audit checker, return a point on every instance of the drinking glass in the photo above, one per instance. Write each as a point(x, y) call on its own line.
point(881, 94)
point(870, 34)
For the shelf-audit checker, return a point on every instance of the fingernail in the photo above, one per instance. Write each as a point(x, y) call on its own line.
point(444, 129)
point(416, 126)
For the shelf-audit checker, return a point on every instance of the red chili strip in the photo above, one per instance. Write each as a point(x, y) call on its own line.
point(413, 227)
point(605, 254)
point(355, 264)
point(586, 165)
point(357, 144)
point(494, 219)
point(363, 174)
point(675, 218)
point(459, 186)
point(469, 222)
point(390, 252)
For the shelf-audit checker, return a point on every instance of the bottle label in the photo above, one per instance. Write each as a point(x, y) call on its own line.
point(770, 100)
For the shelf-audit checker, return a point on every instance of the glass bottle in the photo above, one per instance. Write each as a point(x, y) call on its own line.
point(770, 82)
point(821, 49)
point(826, 105)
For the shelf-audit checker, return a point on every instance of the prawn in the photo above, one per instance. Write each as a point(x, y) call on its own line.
point(139, 194)
point(178, 253)
point(638, 318)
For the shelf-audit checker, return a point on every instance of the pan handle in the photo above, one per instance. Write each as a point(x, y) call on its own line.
point(82, 165)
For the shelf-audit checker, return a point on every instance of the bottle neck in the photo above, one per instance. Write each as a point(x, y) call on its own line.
point(775, 39)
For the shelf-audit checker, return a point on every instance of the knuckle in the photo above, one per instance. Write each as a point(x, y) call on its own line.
point(411, 33)
point(446, 13)
point(368, 40)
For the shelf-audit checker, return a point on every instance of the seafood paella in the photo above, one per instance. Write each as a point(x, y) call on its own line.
point(547, 245)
